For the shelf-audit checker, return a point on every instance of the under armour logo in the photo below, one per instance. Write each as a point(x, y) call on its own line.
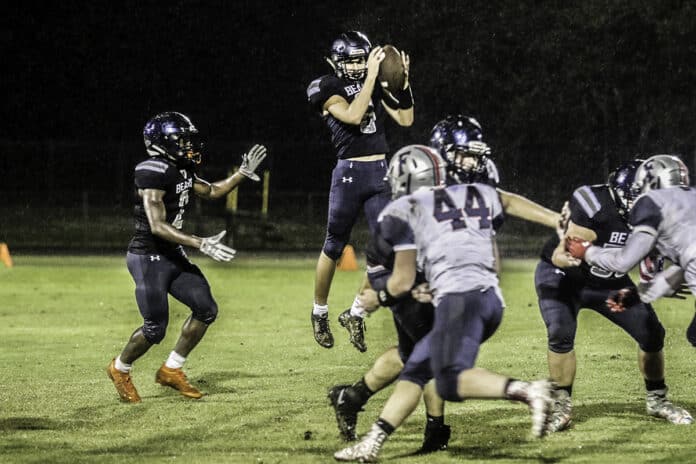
point(154, 258)
point(348, 179)
point(558, 271)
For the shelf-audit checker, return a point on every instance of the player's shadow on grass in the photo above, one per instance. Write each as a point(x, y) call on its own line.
point(220, 382)
point(28, 423)
point(634, 410)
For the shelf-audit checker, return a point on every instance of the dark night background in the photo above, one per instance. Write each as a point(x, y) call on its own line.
point(565, 91)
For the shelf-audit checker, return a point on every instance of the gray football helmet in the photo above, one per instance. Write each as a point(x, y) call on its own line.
point(660, 171)
point(413, 167)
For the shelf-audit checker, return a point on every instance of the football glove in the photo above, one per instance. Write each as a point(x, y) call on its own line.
point(668, 283)
point(577, 247)
point(620, 300)
point(251, 161)
point(212, 247)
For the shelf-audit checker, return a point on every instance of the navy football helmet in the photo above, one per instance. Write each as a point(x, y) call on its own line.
point(459, 140)
point(621, 186)
point(172, 135)
point(352, 48)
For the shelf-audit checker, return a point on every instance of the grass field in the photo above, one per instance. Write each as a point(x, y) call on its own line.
point(64, 318)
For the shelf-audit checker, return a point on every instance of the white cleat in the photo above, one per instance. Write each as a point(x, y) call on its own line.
point(657, 405)
point(366, 450)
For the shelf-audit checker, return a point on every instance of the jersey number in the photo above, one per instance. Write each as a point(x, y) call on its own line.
point(475, 206)
point(178, 221)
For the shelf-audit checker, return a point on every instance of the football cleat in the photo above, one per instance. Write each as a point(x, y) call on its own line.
point(436, 439)
point(123, 383)
point(356, 328)
point(540, 401)
point(657, 405)
point(176, 379)
point(367, 449)
point(560, 418)
point(322, 331)
point(346, 410)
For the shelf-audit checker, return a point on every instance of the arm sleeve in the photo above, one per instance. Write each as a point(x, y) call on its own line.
point(645, 216)
point(638, 245)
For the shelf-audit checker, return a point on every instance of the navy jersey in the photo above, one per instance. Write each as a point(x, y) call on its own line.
point(159, 174)
point(593, 207)
point(351, 140)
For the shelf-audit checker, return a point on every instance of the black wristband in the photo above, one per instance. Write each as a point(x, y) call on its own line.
point(385, 298)
point(406, 98)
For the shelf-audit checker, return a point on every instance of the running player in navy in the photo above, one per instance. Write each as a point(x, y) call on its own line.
point(598, 213)
point(354, 106)
point(156, 259)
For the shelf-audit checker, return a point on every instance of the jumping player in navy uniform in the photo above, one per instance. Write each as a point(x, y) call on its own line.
point(597, 213)
point(354, 106)
point(156, 259)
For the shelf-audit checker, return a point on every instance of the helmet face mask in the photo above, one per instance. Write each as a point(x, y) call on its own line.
point(349, 54)
point(658, 172)
point(414, 167)
point(621, 183)
point(172, 135)
point(459, 140)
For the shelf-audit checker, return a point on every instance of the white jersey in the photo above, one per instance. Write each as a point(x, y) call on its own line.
point(669, 215)
point(452, 230)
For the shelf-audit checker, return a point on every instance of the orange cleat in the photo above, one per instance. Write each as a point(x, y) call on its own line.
point(176, 379)
point(124, 386)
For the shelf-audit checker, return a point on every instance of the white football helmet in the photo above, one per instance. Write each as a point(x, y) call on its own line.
point(660, 171)
point(414, 167)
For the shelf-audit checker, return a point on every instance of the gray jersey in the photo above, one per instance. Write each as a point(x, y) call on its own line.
point(452, 230)
point(664, 219)
point(669, 215)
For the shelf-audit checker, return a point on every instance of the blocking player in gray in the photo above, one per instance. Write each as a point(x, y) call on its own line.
point(449, 233)
point(156, 259)
point(663, 217)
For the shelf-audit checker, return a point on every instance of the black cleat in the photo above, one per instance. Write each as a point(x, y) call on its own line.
point(322, 331)
point(436, 439)
point(346, 411)
point(356, 328)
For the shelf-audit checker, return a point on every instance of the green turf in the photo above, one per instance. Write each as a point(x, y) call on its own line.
point(64, 318)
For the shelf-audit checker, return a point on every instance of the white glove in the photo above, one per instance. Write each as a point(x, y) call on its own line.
point(666, 283)
point(212, 247)
point(251, 161)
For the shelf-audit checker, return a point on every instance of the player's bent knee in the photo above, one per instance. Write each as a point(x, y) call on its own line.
point(560, 341)
point(446, 383)
point(154, 332)
point(655, 342)
point(333, 247)
point(207, 315)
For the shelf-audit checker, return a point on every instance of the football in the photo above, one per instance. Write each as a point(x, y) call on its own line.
point(391, 70)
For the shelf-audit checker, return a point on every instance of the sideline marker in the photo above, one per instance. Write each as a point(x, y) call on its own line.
point(347, 261)
point(5, 255)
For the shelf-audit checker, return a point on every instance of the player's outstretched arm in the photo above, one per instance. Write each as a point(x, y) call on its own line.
point(250, 162)
point(637, 247)
point(157, 218)
point(524, 208)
